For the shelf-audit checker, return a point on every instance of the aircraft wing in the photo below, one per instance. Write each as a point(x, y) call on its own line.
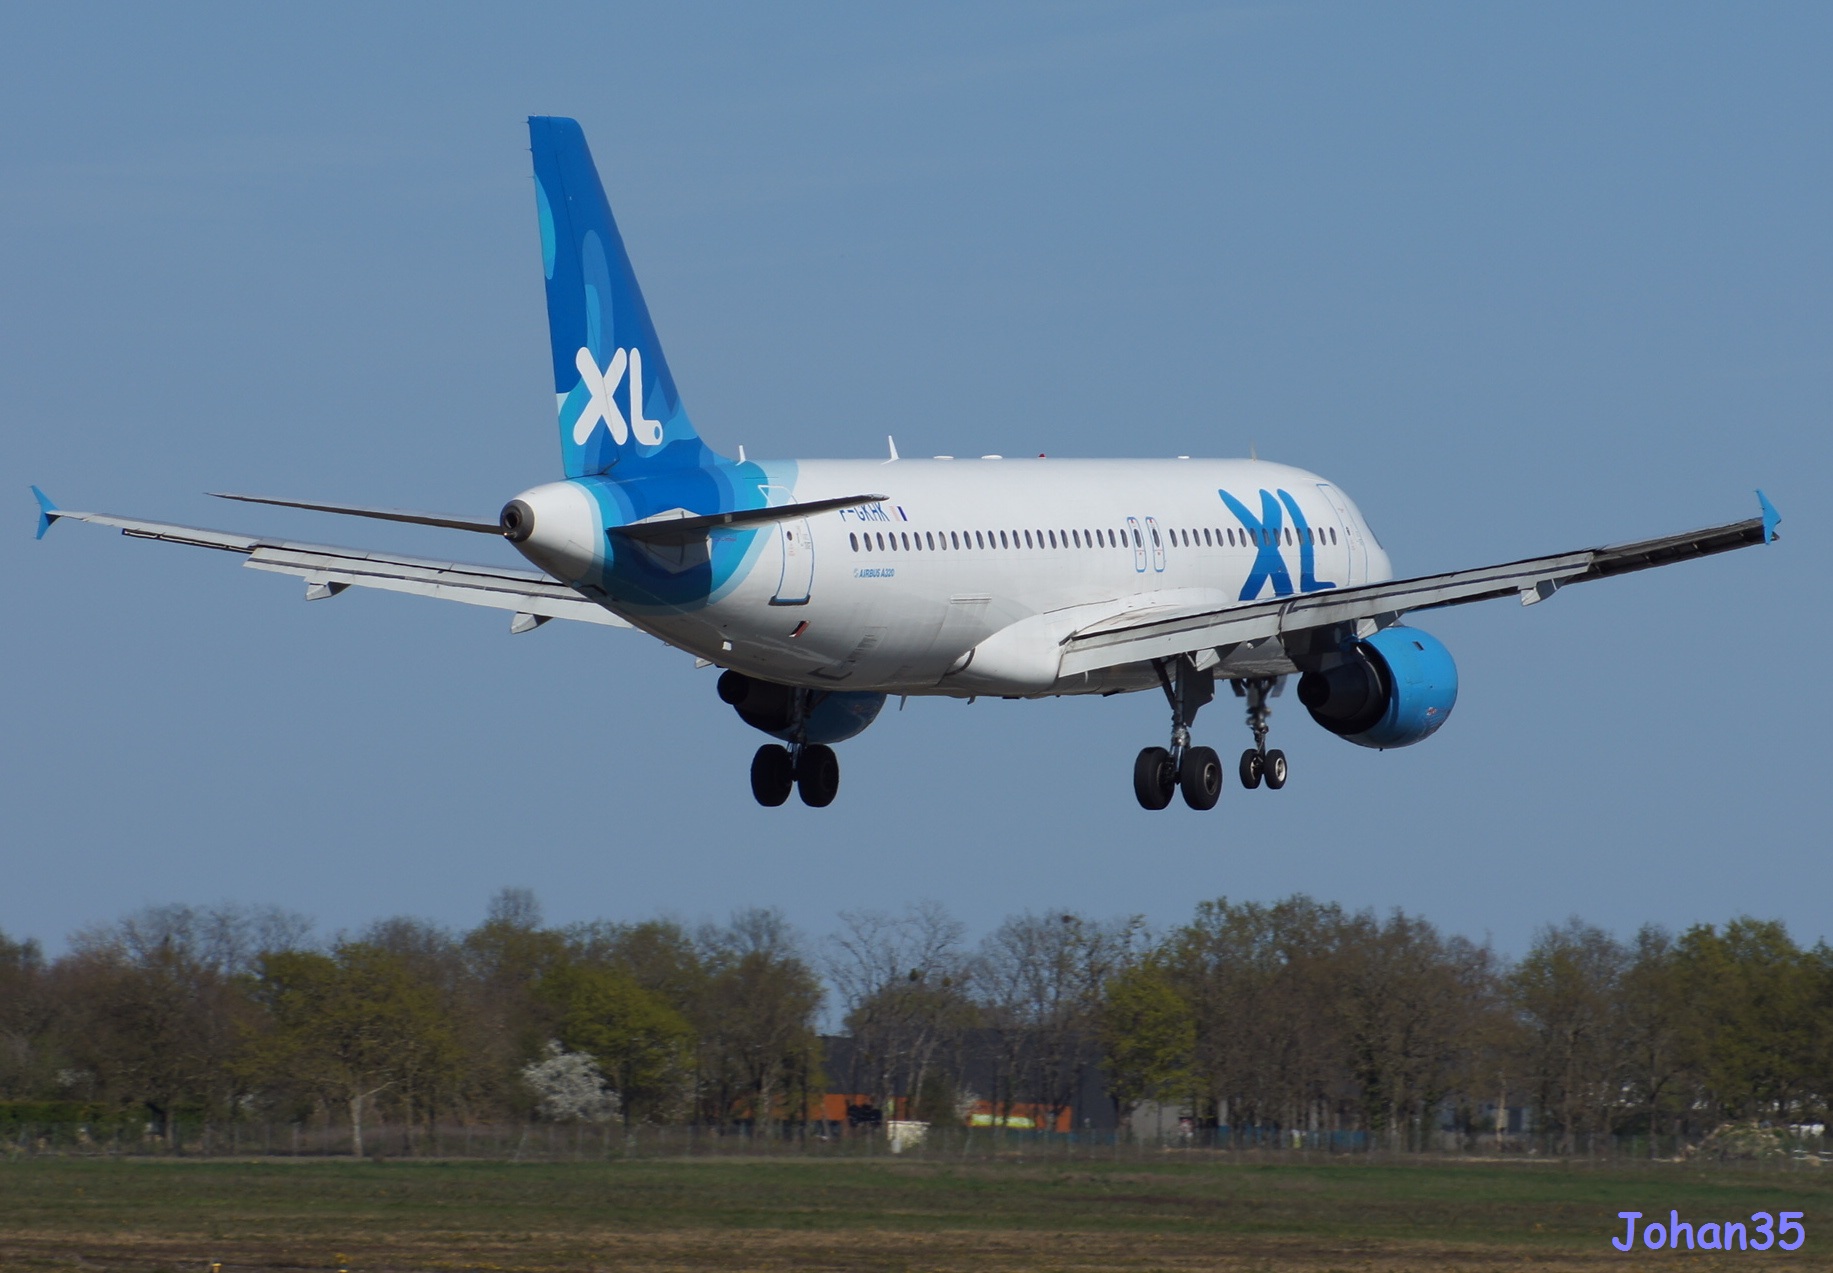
point(1160, 635)
point(531, 596)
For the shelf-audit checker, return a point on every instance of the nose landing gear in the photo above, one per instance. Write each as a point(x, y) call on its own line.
point(1259, 765)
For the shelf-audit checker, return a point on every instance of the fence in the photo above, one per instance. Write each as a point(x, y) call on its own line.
point(581, 1142)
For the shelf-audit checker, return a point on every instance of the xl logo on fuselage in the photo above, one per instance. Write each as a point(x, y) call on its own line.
point(600, 405)
point(1265, 532)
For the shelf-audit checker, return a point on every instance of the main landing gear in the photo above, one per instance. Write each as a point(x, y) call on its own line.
point(1196, 771)
point(1158, 772)
point(810, 768)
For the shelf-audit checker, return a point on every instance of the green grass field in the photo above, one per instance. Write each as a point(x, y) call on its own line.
point(1179, 1211)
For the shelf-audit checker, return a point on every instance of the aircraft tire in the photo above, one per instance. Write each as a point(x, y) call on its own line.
point(1154, 778)
point(1273, 768)
point(818, 775)
point(1200, 777)
point(773, 774)
point(1250, 769)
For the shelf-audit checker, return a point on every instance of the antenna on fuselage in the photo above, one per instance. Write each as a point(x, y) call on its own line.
point(741, 452)
point(892, 443)
point(1253, 452)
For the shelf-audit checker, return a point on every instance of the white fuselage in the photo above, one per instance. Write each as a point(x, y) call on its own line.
point(968, 576)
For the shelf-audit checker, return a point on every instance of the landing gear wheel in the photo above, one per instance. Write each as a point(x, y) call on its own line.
point(1274, 769)
point(1154, 777)
point(818, 775)
point(773, 773)
point(1200, 777)
point(1251, 770)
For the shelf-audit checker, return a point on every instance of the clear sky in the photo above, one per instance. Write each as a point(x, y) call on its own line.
point(1520, 278)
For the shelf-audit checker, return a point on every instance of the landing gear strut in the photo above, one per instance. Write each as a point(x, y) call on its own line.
point(811, 769)
point(1259, 765)
point(1196, 771)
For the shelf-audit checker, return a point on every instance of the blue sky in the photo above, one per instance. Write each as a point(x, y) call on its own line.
point(1520, 278)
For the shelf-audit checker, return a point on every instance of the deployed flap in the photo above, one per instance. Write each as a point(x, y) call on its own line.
point(329, 570)
point(1126, 639)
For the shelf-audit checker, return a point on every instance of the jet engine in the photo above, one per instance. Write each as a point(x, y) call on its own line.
point(1390, 690)
point(832, 716)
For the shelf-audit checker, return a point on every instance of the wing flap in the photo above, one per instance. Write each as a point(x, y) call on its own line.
point(332, 569)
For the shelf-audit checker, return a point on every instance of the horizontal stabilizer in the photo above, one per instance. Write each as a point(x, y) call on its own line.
point(447, 520)
point(680, 530)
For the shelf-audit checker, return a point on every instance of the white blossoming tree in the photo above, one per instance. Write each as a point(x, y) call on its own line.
point(571, 1086)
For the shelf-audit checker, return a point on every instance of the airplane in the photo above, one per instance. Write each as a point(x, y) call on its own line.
point(821, 587)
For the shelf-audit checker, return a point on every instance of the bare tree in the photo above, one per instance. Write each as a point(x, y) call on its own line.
point(903, 986)
point(1039, 979)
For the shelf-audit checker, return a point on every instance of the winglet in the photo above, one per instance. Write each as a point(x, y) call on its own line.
point(47, 512)
point(1771, 518)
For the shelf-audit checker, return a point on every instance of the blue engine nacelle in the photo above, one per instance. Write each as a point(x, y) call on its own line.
point(1391, 690)
point(833, 715)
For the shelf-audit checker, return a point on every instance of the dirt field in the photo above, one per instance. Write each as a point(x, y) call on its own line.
point(1185, 1213)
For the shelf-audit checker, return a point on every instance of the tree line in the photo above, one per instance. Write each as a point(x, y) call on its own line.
point(1292, 1016)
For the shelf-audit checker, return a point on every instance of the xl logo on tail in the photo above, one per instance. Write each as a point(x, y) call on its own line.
point(601, 385)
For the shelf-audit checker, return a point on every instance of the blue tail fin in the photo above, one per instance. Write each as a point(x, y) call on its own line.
point(618, 405)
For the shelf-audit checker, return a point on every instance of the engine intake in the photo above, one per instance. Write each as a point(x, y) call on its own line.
point(1393, 689)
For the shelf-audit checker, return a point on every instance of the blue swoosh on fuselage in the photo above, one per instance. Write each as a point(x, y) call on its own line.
point(636, 578)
